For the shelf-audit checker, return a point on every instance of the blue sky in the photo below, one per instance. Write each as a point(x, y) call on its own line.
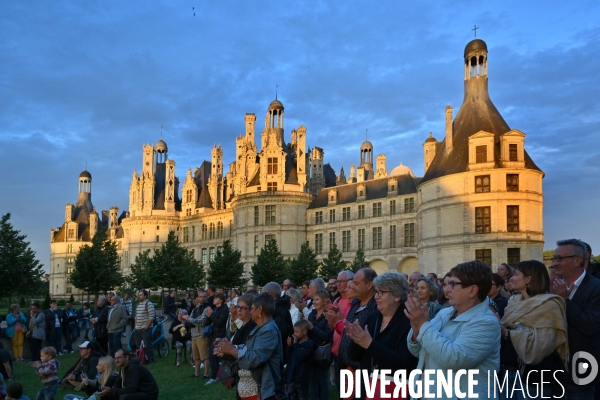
point(88, 83)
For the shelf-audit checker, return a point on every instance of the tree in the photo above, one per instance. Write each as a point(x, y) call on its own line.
point(270, 265)
point(333, 264)
point(20, 271)
point(171, 266)
point(174, 267)
point(97, 267)
point(359, 261)
point(304, 267)
point(226, 270)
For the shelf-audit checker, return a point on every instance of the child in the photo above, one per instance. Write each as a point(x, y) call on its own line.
point(299, 354)
point(15, 392)
point(47, 369)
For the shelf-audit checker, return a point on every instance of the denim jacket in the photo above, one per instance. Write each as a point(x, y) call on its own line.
point(263, 356)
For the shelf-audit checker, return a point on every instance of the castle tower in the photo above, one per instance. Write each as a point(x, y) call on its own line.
point(301, 160)
point(317, 180)
point(381, 171)
point(429, 148)
point(366, 159)
point(215, 182)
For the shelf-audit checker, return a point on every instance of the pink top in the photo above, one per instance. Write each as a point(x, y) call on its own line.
point(344, 305)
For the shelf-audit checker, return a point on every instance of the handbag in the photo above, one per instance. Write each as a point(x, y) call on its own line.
point(228, 373)
point(322, 353)
point(141, 355)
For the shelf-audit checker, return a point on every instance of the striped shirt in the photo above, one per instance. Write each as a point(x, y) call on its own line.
point(48, 371)
point(144, 312)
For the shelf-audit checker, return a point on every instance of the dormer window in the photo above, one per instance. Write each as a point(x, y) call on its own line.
point(512, 152)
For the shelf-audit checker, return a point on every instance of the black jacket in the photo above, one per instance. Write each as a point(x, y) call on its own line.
point(176, 333)
point(389, 349)
point(170, 305)
point(283, 318)
point(320, 334)
point(299, 356)
point(100, 329)
point(50, 320)
point(135, 378)
point(219, 319)
point(87, 366)
point(583, 318)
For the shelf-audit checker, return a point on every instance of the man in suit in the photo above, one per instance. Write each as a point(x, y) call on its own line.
point(581, 292)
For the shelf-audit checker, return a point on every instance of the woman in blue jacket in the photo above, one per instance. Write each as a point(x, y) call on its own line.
point(16, 328)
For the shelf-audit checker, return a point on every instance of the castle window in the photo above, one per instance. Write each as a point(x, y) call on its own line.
point(211, 254)
point(186, 235)
point(256, 216)
point(71, 234)
point(392, 236)
point(188, 196)
point(512, 152)
point(204, 257)
point(331, 240)
point(331, 215)
point(69, 289)
point(69, 248)
point(482, 184)
point(188, 212)
point(271, 186)
point(483, 222)
point(204, 231)
point(269, 215)
point(70, 260)
point(157, 238)
point(409, 205)
point(512, 182)
point(271, 166)
point(318, 217)
point(513, 256)
point(319, 243)
point(346, 241)
point(193, 233)
point(377, 238)
point(484, 255)
point(346, 214)
point(256, 246)
point(409, 235)
point(268, 238)
point(512, 218)
point(361, 211)
point(377, 209)
point(392, 207)
point(481, 154)
point(219, 230)
point(361, 239)
point(211, 230)
point(70, 270)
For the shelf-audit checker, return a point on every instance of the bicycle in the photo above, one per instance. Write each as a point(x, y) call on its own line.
point(159, 342)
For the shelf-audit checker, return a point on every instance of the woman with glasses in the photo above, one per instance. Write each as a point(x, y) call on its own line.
point(534, 330)
point(463, 336)
point(381, 342)
point(261, 358)
point(427, 294)
point(242, 312)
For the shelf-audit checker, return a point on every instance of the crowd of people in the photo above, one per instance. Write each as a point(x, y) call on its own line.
point(295, 340)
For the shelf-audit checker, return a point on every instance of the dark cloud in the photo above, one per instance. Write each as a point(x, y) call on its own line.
point(91, 83)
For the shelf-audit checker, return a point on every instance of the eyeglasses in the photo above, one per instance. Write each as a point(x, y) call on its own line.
point(452, 284)
point(381, 292)
point(559, 258)
point(242, 308)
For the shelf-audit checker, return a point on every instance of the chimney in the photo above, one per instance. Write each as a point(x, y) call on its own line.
point(449, 144)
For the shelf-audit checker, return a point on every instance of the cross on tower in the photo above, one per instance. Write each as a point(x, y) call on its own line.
point(475, 31)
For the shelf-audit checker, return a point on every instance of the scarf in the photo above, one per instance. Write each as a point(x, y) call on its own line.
point(537, 324)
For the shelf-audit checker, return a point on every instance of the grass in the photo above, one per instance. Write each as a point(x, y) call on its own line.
point(174, 383)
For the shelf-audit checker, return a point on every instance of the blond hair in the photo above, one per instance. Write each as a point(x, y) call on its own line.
point(51, 351)
point(109, 369)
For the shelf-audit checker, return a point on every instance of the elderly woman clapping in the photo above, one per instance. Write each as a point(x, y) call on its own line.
point(382, 342)
point(463, 336)
point(262, 355)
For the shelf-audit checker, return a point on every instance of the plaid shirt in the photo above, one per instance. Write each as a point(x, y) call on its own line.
point(48, 371)
point(356, 313)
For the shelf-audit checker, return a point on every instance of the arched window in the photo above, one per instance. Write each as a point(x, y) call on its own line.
point(219, 230)
point(212, 230)
point(204, 231)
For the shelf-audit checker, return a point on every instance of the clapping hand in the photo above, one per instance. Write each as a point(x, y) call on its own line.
point(360, 336)
point(416, 313)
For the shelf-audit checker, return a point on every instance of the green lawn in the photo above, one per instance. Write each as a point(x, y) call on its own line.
point(174, 383)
